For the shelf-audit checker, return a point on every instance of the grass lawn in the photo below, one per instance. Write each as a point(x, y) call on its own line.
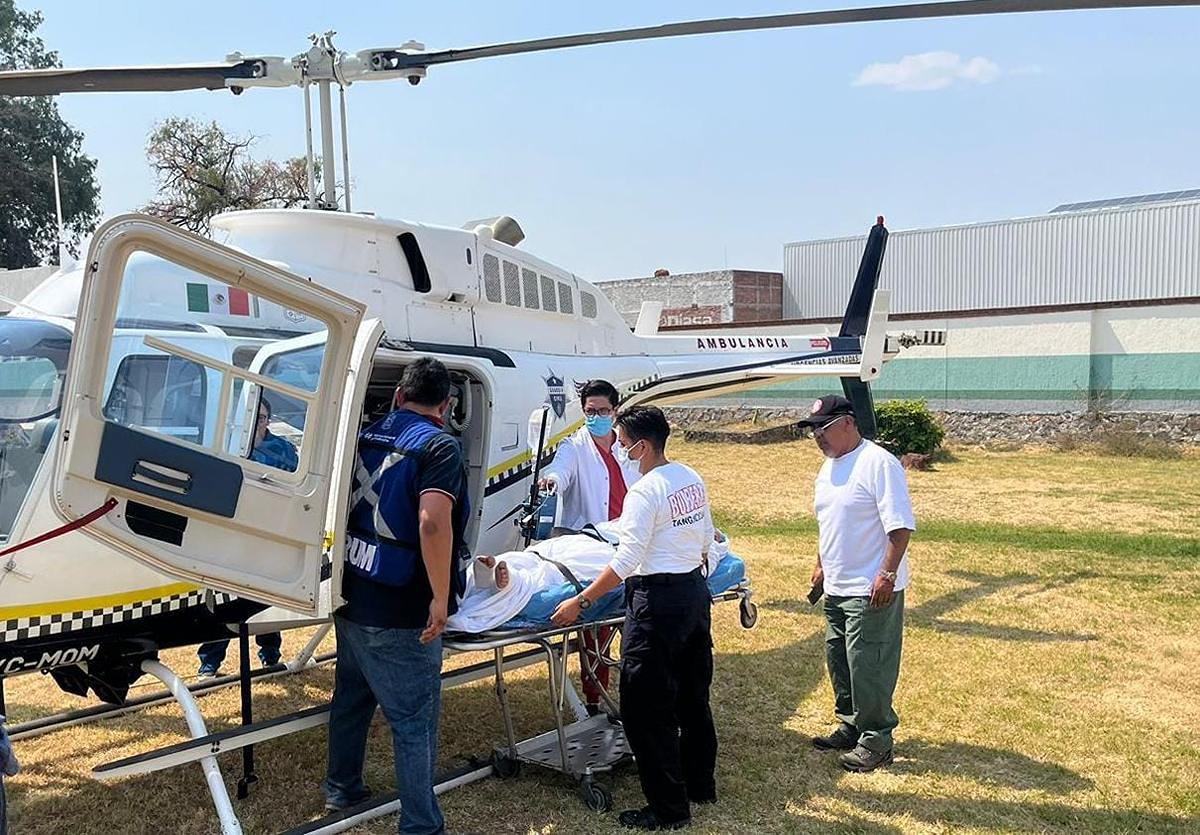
point(1050, 679)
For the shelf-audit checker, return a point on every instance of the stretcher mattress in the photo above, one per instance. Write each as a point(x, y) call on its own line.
point(729, 572)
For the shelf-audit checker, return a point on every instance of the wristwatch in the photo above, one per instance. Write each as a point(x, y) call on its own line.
point(890, 576)
point(584, 603)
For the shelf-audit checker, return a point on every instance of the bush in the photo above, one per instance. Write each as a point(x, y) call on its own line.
point(907, 426)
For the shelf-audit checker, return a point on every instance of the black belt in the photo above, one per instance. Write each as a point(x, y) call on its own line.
point(666, 579)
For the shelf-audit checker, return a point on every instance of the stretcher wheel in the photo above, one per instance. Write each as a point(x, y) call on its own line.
point(595, 796)
point(504, 766)
point(749, 614)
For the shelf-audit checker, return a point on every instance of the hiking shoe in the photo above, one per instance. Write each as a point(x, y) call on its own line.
point(645, 818)
point(844, 738)
point(863, 759)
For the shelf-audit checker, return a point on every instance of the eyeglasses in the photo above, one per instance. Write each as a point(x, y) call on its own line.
point(818, 431)
point(597, 412)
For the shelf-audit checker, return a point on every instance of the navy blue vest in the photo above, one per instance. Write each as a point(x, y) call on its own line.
point(383, 540)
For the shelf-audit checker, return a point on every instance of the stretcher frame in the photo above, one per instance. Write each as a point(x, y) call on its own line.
point(590, 745)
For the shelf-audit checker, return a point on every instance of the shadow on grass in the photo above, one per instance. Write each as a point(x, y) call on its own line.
point(1030, 816)
point(767, 773)
point(992, 766)
point(929, 614)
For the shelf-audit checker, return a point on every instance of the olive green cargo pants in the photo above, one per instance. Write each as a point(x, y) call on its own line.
point(862, 649)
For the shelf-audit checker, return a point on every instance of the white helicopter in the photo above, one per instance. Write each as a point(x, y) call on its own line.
point(135, 518)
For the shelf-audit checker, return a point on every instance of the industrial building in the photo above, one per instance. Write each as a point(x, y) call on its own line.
point(710, 298)
point(1091, 307)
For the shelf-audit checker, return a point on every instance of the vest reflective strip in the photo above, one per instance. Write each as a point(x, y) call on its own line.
point(366, 490)
point(360, 554)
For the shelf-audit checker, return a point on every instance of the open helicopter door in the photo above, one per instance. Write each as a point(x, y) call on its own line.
point(200, 507)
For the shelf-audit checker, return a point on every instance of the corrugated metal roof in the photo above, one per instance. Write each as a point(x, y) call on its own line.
point(1112, 202)
point(1110, 255)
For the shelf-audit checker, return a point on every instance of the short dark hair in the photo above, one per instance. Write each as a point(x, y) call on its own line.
point(599, 388)
point(264, 403)
point(645, 423)
point(425, 382)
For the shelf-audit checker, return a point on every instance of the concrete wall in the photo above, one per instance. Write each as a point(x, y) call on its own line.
point(714, 297)
point(1135, 359)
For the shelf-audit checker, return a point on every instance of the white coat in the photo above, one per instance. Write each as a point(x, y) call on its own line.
point(582, 479)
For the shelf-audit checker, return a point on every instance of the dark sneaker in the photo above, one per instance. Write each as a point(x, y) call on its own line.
point(842, 739)
point(339, 805)
point(646, 819)
point(268, 659)
point(207, 672)
point(863, 759)
point(703, 799)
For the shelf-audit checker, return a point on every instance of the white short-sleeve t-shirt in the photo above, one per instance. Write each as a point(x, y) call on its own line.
point(666, 525)
point(860, 498)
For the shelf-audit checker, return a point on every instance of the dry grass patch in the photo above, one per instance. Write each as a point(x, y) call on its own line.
point(1049, 678)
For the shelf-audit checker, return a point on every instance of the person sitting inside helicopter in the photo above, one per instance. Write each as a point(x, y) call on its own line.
point(277, 452)
point(592, 473)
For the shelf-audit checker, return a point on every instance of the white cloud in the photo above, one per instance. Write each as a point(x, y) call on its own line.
point(930, 71)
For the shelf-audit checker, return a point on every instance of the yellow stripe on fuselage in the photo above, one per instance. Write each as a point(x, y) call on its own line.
point(527, 456)
point(87, 604)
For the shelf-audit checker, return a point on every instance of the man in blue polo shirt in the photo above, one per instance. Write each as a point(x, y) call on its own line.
point(402, 576)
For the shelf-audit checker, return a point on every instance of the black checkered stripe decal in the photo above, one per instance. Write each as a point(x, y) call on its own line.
point(640, 385)
point(516, 473)
point(41, 626)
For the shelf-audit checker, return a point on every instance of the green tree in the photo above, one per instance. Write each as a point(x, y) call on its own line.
point(31, 132)
point(202, 171)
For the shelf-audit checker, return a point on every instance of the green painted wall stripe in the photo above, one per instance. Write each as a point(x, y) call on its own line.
point(1105, 377)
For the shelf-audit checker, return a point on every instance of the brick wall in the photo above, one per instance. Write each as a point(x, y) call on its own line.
point(715, 297)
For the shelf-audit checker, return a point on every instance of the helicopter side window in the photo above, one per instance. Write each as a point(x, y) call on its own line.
point(274, 429)
point(162, 393)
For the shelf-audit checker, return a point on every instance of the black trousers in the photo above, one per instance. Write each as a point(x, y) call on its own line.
point(666, 673)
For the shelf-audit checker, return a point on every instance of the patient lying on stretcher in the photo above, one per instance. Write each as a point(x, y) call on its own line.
point(512, 584)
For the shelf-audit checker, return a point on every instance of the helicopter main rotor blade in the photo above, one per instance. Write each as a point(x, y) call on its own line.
point(400, 60)
point(165, 79)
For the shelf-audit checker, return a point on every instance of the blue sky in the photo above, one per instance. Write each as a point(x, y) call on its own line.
point(692, 153)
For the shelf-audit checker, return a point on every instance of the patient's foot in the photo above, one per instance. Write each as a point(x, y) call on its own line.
point(502, 575)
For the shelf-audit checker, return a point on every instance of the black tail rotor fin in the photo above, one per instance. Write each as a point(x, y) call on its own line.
point(858, 310)
point(859, 394)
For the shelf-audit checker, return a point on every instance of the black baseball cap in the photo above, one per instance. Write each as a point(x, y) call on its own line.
point(826, 409)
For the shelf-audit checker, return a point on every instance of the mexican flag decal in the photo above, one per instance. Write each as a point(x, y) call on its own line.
point(217, 298)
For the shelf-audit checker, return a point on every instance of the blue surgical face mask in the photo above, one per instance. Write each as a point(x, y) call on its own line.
point(599, 425)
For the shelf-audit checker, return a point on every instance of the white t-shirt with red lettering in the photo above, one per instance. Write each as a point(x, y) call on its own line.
point(666, 526)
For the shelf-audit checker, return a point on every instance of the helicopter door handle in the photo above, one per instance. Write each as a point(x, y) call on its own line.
point(167, 478)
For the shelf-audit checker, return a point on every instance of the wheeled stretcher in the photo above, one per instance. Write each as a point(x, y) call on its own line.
point(588, 745)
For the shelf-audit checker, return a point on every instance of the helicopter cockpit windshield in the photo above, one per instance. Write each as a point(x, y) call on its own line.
point(33, 362)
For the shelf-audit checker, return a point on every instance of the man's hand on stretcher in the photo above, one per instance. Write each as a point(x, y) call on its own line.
point(568, 611)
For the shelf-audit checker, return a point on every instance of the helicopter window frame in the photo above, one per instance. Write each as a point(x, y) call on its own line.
point(230, 374)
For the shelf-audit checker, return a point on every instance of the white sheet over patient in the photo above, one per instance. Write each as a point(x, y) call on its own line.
point(484, 607)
